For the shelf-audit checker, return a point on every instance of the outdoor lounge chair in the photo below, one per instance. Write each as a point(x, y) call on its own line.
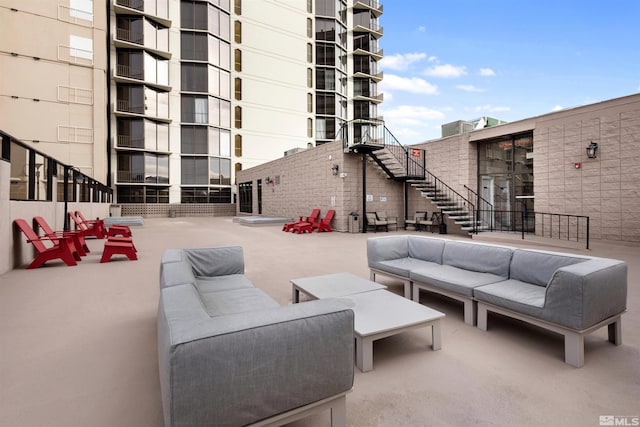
point(324, 223)
point(62, 248)
point(113, 230)
point(382, 216)
point(94, 229)
point(76, 236)
point(374, 222)
point(415, 221)
point(313, 219)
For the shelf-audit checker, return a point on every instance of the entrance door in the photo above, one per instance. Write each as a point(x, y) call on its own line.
point(259, 197)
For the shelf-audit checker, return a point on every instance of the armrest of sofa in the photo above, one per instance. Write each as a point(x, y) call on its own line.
point(386, 248)
point(583, 294)
point(246, 367)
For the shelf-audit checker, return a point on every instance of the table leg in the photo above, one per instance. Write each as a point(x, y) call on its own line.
point(364, 354)
point(435, 335)
point(295, 295)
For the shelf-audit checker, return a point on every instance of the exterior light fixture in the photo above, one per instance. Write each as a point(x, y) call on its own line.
point(592, 150)
point(334, 169)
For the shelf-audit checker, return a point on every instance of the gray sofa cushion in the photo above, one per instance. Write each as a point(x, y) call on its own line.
point(537, 267)
point(478, 257)
point(402, 266)
point(426, 248)
point(222, 283)
point(453, 279)
point(176, 273)
point(513, 294)
point(385, 249)
point(236, 301)
point(219, 262)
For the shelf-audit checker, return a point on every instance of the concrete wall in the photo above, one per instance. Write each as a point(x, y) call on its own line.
point(303, 181)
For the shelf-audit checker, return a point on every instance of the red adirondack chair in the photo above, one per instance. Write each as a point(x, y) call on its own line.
point(313, 218)
point(324, 223)
point(113, 230)
point(62, 246)
point(76, 236)
point(94, 229)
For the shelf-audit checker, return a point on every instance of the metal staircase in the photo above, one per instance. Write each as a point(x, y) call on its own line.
point(371, 137)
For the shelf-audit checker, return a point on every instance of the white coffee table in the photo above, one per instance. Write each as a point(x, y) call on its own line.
point(332, 285)
point(377, 313)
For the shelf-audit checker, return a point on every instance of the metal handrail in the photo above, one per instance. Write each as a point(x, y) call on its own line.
point(483, 206)
point(544, 224)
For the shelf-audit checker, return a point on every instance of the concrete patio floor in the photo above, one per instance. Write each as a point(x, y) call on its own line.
point(78, 344)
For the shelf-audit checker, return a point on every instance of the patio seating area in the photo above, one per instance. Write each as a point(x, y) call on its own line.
point(80, 344)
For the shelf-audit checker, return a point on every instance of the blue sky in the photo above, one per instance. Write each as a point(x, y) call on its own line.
point(507, 59)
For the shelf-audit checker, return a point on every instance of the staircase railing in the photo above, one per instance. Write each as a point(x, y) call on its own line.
point(443, 192)
point(484, 211)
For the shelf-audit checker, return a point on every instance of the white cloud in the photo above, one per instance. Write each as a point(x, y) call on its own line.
point(470, 88)
point(490, 108)
point(433, 59)
point(401, 61)
point(557, 108)
point(487, 72)
point(407, 84)
point(411, 115)
point(446, 71)
point(422, 29)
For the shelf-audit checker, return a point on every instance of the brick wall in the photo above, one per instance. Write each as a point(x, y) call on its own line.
point(294, 185)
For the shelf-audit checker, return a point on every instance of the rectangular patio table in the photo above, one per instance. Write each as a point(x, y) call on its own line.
point(378, 313)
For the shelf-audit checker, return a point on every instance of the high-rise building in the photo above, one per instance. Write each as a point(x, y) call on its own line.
point(53, 74)
point(165, 99)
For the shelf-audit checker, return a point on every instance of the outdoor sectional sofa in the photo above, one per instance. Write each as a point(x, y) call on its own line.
point(230, 355)
point(569, 294)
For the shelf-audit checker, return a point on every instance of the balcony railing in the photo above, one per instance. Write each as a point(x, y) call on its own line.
point(130, 36)
point(132, 4)
point(127, 71)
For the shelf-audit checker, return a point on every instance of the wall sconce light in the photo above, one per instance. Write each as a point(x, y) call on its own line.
point(334, 169)
point(592, 150)
point(577, 165)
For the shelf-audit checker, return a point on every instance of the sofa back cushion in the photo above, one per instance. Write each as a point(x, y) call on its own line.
point(537, 267)
point(176, 273)
point(216, 261)
point(476, 257)
point(386, 248)
point(426, 248)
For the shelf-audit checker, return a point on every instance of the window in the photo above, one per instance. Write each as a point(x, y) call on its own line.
point(325, 103)
point(194, 109)
point(309, 28)
point(131, 167)
point(326, 29)
point(220, 171)
point(309, 77)
point(309, 53)
point(81, 9)
point(156, 168)
point(238, 88)
point(309, 103)
point(237, 59)
point(238, 117)
point(237, 31)
point(131, 133)
point(219, 82)
point(238, 145)
point(193, 46)
point(237, 7)
point(193, 140)
point(219, 195)
point(81, 47)
point(194, 77)
point(326, 54)
point(310, 128)
point(193, 15)
point(195, 170)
